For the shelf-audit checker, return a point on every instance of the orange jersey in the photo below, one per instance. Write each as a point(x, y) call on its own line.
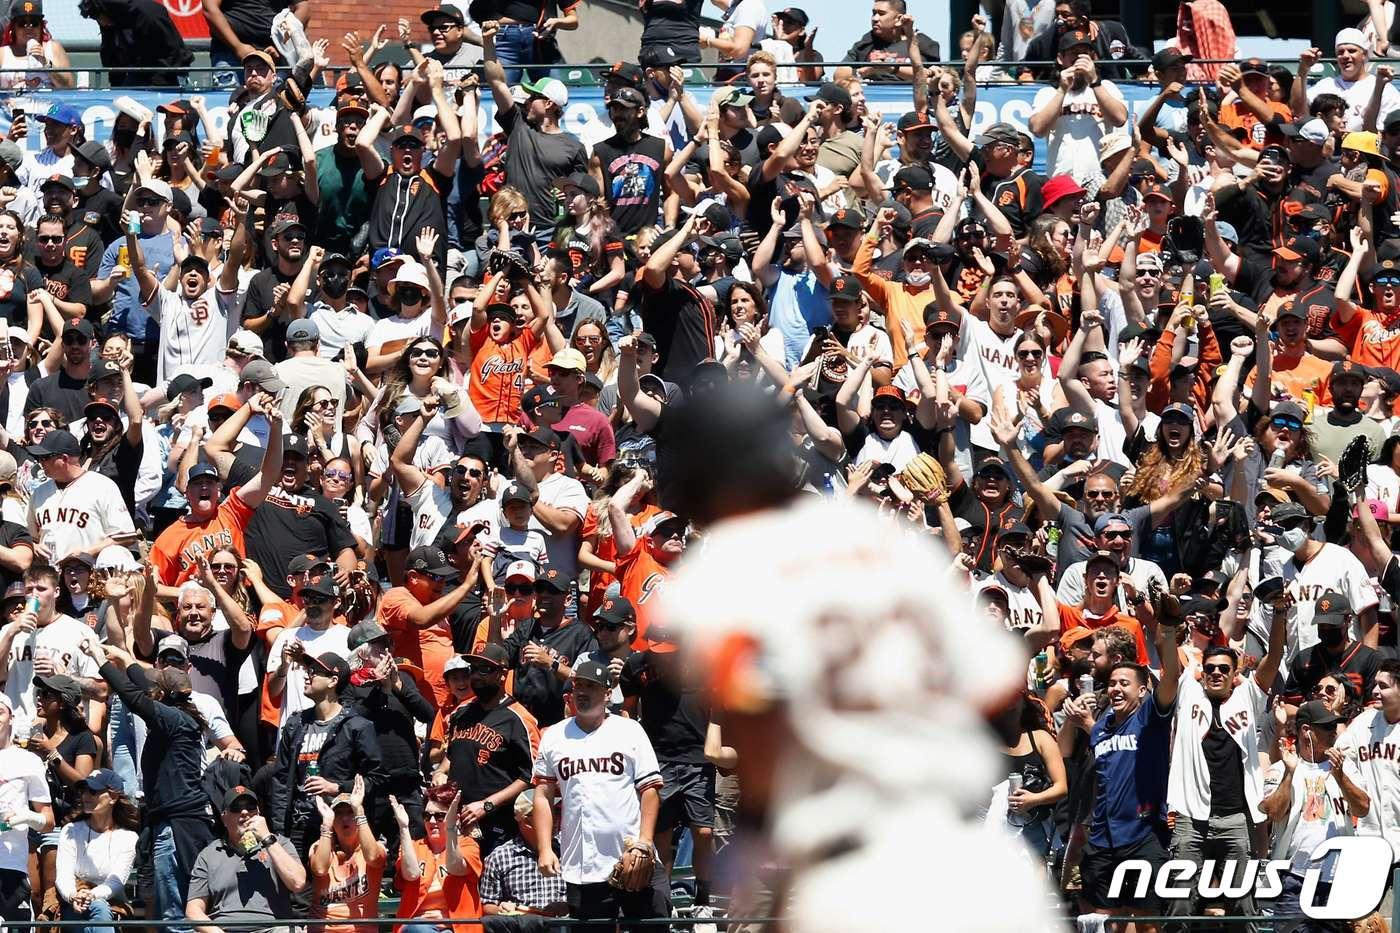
point(1071, 616)
point(428, 647)
point(497, 376)
point(1373, 340)
point(642, 579)
point(349, 890)
point(1237, 116)
point(176, 553)
point(604, 548)
point(435, 894)
point(1298, 374)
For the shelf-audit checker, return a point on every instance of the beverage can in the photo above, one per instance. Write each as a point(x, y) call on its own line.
point(32, 604)
point(249, 840)
point(313, 769)
point(123, 256)
point(1217, 283)
point(1014, 780)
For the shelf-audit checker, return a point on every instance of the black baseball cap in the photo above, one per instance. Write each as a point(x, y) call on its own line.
point(913, 120)
point(794, 15)
point(844, 288)
point(1166, 58)
point(55, 443)
point(236, 794)
point(553, 579)
point(1331, 608)
point(616, 609)
point(545, 437)
point(82, 326)
point(914, 176)
point(832, 93)
point(430, 560)
point(1315, 713)
point(627, 73)
point(428, 17)
point(491, 655)
point(183, 383)
point(847, 217)
point(329, 663)
point(323, 585)
point(592, 672)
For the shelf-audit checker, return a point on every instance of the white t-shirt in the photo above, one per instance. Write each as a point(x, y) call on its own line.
point(1073, 141)
point(1188, 781)
point(1357, 94)
point(77, 516)
point(391, 334)
point(1141, 572)
point(22, 783)
point(599, 777)
point(192, 333)
point(1022, 602)
point(1316, 812)
point(1332, 568)
point(562, 492)
point(1372, 748)
point(348, 325)
point(62, 638)
point(751, 13)
point(335, 638)
point(1382, 483)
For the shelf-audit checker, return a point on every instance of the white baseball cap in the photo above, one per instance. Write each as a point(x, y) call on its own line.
point(1351, 36)
point(425, 112)
point(552, 89)
point(456, 663)
point(1114, 143)
point(246, 343)
point(116, 557)
point(1314, 131)
point(521, 568)
point(157, 187)
point(411, 272)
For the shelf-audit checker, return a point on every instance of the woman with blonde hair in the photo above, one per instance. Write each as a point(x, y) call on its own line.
point(591, 340)
point(590, 238)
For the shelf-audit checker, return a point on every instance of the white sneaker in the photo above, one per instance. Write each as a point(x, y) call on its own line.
point(703, 911)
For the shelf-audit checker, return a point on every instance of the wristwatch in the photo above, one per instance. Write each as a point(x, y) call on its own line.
point(268, 840)
point(487, 805)
point(554, 665)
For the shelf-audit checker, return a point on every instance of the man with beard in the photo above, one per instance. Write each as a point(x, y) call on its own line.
point(1293, 368)
point(1370, 333)
point(1078, 111)
point(539, 148)
point(542, 647)
point(798, 280)
point(629, 165)
point(297, 519)
point(615, 627)
point(491, 741)
point(113, 283)
point(75, 509)
point(214, 522)
point(215, 656)
point(196, 317)
point(66, 281)
point(674, 312)
point(1091, 388)
point(1334, 427)
point(1335, 651)
point(1113, 535)
point(788, 165)
point(416, 614)
point(1252, 205)
point(82, 242)
point(345, 195)
point(264, 302)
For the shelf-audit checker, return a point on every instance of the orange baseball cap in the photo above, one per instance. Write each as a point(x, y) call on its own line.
point(1074, 636)
point(227, 400)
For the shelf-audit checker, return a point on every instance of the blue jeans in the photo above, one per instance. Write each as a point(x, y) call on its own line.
point(126, 733)
point(515, 47)
point(624, 323)
point(230, 74)
point(99, 912)
point(169, 877)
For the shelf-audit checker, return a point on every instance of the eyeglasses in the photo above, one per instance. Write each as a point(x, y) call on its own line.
point(411, 296)
point(1292, 424)
point(149, 202)
point(315, 599)
point(76, 339)
point(1217, 668)
point(519, 589)
point(58, 238)
point(1030, 354)
point(1118, 535)
point(342, 475)
point(430, 353)
point(45, 423)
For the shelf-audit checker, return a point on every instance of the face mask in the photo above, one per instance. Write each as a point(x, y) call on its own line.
point(486, 691)
point(1331, 635)
point(124, 138)
point(80, 181)
point(918, 278)
point(335, 286)
point(1292, 539)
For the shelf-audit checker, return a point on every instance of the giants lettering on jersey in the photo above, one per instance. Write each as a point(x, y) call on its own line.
point(651, 586)
point(1373, 331)
point(56, 288)
point(1377, 751)
point(1201, 716)
point(206, 544)
point(495, 365)
point(1116, 743)
point(356, 886)
point(282, 499)
point(1092, 109)
point(489, 739)
point(21, 655)
point(606, 764)
point(68, 515)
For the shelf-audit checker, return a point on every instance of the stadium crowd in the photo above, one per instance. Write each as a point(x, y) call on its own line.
point(346, 453)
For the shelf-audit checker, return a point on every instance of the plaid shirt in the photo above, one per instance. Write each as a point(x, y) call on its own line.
point(512, 873)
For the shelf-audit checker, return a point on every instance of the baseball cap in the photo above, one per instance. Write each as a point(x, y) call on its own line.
point(591, 672)
point(260, 373)
point(183, 383)
point(1166, 58)
point(157, 187)
point(364, 632)
point(654, 523)
point(245, 343)
point(1351, 36)
point(733, 96)
point(95, 153)
point(63, 685)
point(615, 609)
point(1114, 143)
point(1315, 713)
point(99, 407)
point(1110, 518)
point(1287, 512)
point(490, 655)
point(1300, 247)
point(306, 563)
point(328, 662)
point(173, 643)
point(568, 358)
point(323, 585)
point(1349, 368)
point(545, 437)
point(103, 369)
point(302, 329)
point(627, 73)
point(522, 569)
point(661, 640)
point(1079, 419)
point(1074, 636)
point(916, 177)
point(846, 217)
point(551, 89)
point(430, 560)
point(446, 11)
point(551, 577)
point(832, 93)
point(63, 114)
point(76, 325)
point(999, 133)
point(628, 96)
point(1075, 38)
point(456, 663)
point(844, 288)
point(1313, 131)
point(516, 492)
point(100, 779)
point(1331, 608)
point(227, 400)
point(202, 469)
point(794, 15)
point(239, 794)
point(913, 120)
point(54, 444)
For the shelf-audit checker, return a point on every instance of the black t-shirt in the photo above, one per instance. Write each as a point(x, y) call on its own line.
point(535, 159)
point(538, 689)
point(67, 282)
point(1017, 196)
point(675, 23)
point(1314, 180)
point(67, 797)
point(1247, 210)
point(745, 144)
point(258, 301)
point(488, 749)
point(61, 392)
point(13, 534)
point(468, 206)
point(404, 205)
point(103, 211)
point(84, 244)
point(1225, 767)
point(1357, 661)
point(1254, 279)
point(251, 20)
point(16, 282)
point(683, 323)
point(895, 53)
point(673, 714)
point(288, 524)
point(762, 192)
point(121, 464)
point(632, 179)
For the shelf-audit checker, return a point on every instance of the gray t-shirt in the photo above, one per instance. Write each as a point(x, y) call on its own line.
point(1329, 440)
point(1073, 525)
point(535, 159)
point(241, 888)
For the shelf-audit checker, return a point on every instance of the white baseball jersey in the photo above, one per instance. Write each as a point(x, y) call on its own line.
point(1332, 568)
point(1372, 748)
point(334, 638)
point(194, 332)
point(62, 639)
point(22, 784)
point(1188, 781)
point(1024, 605)
point(599, 776)
point(77, 516)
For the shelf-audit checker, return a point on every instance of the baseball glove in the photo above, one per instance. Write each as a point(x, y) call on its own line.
point(924, 477)
point(634, 870)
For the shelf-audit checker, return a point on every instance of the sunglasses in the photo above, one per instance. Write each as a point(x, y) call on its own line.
point(1118, 535)
point(1104, 494)
point(46, 423)
point(324, 403)
point(443, 26)
point(1386, 280)
point(342, 475)
point(411, 296)
point(231, 567)
point(58, 238)
point(1030, 354)
point(517, 215)
point(1292, 424)
point(75, 339)
point(149, 202)
point(519, 589)
point(428, 353)
point(1217, 668)
point(1328, 691)
point(609, 626)
point(315, 599)
point(409, 142)
point(670, 531)
point(473, 472)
